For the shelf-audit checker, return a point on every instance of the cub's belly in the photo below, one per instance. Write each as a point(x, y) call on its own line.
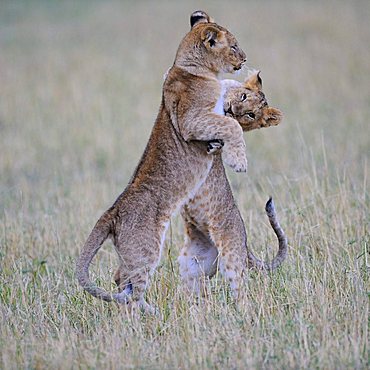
point(207, 207)
point(190, 182)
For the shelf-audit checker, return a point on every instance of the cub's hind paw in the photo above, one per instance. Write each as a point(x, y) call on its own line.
point(124, 296)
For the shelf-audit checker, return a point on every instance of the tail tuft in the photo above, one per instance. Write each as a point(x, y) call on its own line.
point(270, 207)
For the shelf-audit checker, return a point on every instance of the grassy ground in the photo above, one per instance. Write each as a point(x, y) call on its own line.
point(80, 85)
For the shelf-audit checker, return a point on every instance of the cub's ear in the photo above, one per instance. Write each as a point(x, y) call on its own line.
point(210, 36)
point(199, 16)
point(273, 116)
point(254, 82)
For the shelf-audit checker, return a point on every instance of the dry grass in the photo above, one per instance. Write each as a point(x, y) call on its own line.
point(80, 85)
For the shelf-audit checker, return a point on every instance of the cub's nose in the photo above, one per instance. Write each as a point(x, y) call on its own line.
point(242, 55)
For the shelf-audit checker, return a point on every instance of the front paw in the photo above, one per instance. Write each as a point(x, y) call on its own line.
point(240, 166)
point(236, 160)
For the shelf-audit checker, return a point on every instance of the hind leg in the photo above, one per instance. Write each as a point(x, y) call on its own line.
point(198, 259)
point(122, 281)
point(231, 268)
point(232, 259)
point(138, 257)
point(132, 283)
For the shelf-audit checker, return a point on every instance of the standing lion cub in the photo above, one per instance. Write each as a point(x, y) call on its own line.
point(175, 162)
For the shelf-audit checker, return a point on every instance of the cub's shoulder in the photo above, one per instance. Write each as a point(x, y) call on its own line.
point(181, 76)
point(197, 90)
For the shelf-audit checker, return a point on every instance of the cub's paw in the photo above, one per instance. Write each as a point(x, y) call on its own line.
point(146, 308)
point(237, 160)
point(241, 167)
point(237, 163)
point(214, 146)
point(272, 117)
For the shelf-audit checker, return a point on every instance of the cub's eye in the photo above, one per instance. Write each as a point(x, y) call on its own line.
point(233, 48)
point(251, 115)
point(243, 97)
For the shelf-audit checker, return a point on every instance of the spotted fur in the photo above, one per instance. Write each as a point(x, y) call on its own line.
point(215, 234)
point(174, 165)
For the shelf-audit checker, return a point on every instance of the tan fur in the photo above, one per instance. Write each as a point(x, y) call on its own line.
point(174, 165)
point(248, 105)
point(216, 236)
point(192, 85)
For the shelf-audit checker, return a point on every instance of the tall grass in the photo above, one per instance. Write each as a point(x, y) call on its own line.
point(80, 86)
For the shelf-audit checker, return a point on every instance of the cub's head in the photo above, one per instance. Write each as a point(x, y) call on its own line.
point(209, 45)
point(248, 105)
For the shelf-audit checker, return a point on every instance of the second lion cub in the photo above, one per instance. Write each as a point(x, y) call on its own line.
point(215, 232)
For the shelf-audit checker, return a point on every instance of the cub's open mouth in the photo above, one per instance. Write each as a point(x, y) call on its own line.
point(228, 111)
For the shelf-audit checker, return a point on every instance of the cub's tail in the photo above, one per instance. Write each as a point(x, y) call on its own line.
point(98, 235)
point(253, 261)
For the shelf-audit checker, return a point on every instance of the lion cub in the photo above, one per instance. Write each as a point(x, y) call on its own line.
point(216, 236)
point(175, 162)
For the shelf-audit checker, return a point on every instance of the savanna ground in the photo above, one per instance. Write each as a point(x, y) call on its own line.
point(80, 86)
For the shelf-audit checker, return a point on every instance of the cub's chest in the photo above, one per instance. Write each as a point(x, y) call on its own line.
point(225, 85)
point(219, 107)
